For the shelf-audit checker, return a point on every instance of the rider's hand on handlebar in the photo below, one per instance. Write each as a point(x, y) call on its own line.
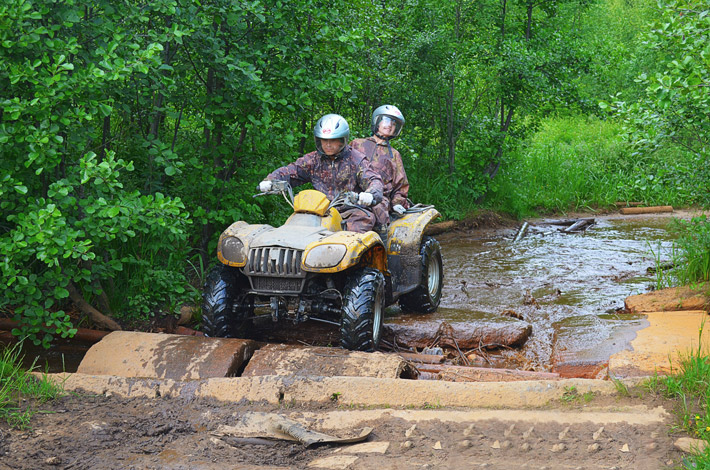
point(399, 208)
point(365, 199)
point(265, 186)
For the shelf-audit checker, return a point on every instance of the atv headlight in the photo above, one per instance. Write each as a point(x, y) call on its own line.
point(324, 256)
point(233, 250)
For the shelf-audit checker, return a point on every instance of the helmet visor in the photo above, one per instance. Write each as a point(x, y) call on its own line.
point(387, 126)
point(330, 147)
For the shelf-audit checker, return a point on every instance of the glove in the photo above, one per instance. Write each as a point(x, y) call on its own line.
point(365, 199)
point(265, 186)
point(399, 208)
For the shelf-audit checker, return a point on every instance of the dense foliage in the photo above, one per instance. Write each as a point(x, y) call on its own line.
point(673, 111)
point(133, 132)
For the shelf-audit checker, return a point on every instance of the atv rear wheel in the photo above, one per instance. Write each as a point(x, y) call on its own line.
point(427, 296)
point(224, 308)
point(362, 311)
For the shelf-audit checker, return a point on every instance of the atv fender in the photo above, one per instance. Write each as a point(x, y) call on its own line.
point(360, 248)
point(404, 238)
point(244, 233)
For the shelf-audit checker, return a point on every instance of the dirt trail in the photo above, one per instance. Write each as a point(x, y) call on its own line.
point(109, 432)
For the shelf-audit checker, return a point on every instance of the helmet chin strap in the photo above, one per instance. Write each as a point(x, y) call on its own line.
point(386, 139)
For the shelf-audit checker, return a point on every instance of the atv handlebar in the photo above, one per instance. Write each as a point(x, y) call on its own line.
point(346, 198)
point(277, 187)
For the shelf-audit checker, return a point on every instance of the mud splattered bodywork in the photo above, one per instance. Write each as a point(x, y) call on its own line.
point(403, 245)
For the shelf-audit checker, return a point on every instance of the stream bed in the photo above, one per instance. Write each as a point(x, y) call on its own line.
point(569, 286)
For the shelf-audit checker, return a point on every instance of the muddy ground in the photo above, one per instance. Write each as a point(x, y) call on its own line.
point(106, 432)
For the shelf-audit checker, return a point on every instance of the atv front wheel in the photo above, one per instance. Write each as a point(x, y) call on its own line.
point(224, 308)
point(427, 295)
point(362, 312)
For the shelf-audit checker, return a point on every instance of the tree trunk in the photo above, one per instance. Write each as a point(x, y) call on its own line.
point(302, 144)
point(451, 99)
point(528, 26)
point(105, 138)
point(209, 91)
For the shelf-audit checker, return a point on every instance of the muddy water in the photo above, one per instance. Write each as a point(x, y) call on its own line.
point(570, 287)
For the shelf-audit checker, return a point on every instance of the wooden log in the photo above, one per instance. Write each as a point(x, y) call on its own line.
point(485, 334)
point(646, 210)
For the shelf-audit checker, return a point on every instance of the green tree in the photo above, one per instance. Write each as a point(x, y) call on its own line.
point(64, 206)
point(676, 104)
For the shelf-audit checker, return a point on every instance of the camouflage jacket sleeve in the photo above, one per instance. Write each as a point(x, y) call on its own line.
point(296, 173)
point(369, 179)
point(400, 183)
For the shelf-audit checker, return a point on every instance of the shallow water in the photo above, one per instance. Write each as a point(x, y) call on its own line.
point(568, 286)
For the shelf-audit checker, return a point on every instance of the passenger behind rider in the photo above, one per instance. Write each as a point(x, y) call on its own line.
point(386, 124)
point(334, 167)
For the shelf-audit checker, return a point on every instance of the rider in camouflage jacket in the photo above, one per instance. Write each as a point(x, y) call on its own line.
point(387, 122)
point(346, 170)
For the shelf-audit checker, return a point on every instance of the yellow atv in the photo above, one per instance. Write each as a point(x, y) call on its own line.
point(310, 268)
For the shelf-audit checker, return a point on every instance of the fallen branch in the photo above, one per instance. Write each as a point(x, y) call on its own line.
point(521, 233)
point(97, 317)
point(579, 226)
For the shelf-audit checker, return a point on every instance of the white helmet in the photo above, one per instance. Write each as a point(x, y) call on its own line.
point(331, 126)
point(391, 112)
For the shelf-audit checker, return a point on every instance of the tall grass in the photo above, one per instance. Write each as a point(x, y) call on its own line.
point(580, 162)
point(690, 254)
point(21, 391)
point(694, 250)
